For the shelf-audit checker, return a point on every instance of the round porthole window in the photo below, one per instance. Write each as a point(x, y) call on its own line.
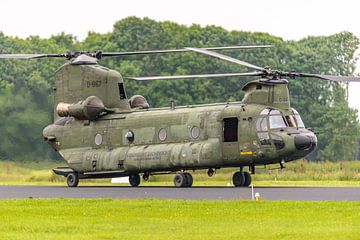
point(195, 132)
point(162, 134)
point(130, 136)
point(98, 139)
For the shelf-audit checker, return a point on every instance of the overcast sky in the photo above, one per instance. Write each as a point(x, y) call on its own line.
point(289, 19)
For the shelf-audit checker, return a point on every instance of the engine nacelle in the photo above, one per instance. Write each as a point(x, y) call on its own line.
point(89, 109)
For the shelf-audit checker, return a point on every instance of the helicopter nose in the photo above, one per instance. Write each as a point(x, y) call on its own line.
point(304, 142)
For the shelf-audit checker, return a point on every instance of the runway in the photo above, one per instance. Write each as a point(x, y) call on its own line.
point(194, 193)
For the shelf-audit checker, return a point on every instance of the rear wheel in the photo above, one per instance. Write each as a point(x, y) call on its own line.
point(180, 180)
point(189, 179)
point(72, 179)
point(134, 180)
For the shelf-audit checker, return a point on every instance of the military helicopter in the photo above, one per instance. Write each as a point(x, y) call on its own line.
point(102, 133)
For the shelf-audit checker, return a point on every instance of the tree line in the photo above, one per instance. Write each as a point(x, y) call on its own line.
point(26, 85)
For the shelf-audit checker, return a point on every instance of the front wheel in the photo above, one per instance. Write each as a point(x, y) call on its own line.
point(247, 177)
point(72, 179)
point(238, 179)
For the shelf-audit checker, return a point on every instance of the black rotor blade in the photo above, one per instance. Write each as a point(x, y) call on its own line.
point(30, 56)
point(107, 54)
point(227, 58)
point(210, 75)
point(325, 77)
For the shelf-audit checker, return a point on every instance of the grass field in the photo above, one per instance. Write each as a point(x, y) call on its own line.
point(171, 219)
point(298, 173)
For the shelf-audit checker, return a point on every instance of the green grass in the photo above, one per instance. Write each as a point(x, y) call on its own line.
point(174, 219)
point(297, 173)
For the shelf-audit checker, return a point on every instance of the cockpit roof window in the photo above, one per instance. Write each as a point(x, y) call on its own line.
point(274, 112)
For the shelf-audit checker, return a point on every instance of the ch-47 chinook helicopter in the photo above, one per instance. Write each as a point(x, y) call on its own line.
point(102, 133)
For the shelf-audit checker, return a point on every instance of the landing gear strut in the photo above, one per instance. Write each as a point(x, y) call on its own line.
point(241, 179)
point(183, 180)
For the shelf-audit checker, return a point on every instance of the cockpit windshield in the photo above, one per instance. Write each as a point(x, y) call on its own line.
point(277, 120)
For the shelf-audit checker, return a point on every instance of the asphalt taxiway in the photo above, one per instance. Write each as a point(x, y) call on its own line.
point(194, 193)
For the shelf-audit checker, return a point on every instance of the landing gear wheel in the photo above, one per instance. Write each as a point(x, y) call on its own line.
point(72, 179)
point(134, 180)
point(146, 176)
point(189, 179)
point(238, 179)
point(247, 177)
point(180, 180)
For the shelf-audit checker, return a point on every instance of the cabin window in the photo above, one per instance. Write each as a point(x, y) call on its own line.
point(230, 129)
point(130, 136)
point(98, 139)
point(195, 132)
point(162, 134)
point(122, 91)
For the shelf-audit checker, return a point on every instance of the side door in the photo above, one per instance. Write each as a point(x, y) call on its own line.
point(230, 137)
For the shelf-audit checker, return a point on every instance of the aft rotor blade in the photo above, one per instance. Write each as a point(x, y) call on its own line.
point(329, 77)
point(29, 56)
point(227, 58)
point(210, 75)
point(106, 54)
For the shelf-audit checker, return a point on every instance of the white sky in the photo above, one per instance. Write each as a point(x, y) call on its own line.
point(289, 19)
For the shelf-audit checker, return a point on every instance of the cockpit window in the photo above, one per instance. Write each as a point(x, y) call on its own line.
point(261, 124)
point(295, 120)
point(299, 121)
point(291, 121)
point(265, 111)
point(277, 122)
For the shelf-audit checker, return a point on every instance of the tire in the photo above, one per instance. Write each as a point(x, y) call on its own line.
point(134, 180)
point(180, 180)
point(72, 179)
point(247, 177)
point(238, 179)
point(189, 179)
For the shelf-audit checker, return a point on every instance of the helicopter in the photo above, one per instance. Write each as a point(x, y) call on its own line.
point(101, 133)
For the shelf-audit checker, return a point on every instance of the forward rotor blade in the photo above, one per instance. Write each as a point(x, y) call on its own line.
point(330, 77)
point(227, 58)
point(210, 75)
point(106, 54)
point(29, 56)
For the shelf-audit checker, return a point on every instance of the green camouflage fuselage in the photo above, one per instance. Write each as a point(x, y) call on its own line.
point(124, 140)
